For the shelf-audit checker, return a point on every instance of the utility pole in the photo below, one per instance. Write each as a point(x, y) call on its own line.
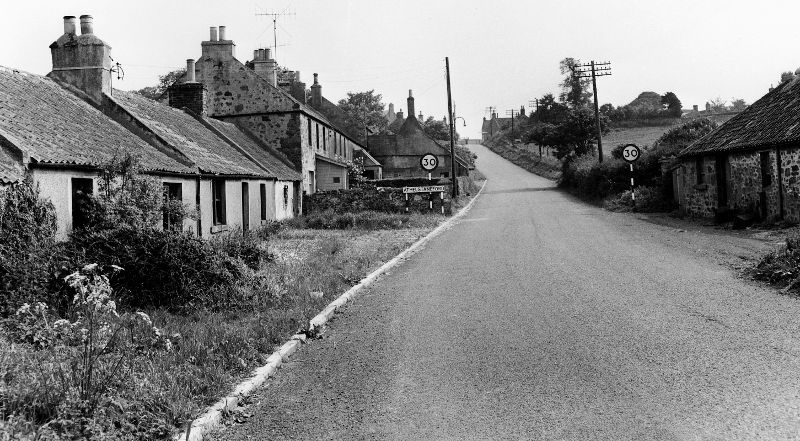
point(512, 113)
point(452, 129)
point(583, 71)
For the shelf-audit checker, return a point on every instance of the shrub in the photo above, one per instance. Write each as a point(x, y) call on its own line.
point(27, 258)
point(162, 268)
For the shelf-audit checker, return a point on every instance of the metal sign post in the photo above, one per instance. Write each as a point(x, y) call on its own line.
point(631, 153)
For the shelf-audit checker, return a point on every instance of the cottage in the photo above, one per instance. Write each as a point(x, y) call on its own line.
point(400, 153)
point(251, 98)
point(493, 126)
point(62, 127)
point(750, 163)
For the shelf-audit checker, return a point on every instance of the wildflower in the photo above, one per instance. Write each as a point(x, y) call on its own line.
point(24, 309)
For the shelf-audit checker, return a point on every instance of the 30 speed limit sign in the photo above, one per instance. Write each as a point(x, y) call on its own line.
point(631, 153)
point(429, 162)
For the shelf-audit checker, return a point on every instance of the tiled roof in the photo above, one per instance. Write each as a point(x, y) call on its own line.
point(52, 125)
point(773, 119)
point(266, 156)
point(210, 152)
point(10, 170)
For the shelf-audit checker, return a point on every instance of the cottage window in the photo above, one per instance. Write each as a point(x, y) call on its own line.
point(218, 195)
point(309, 132)
point(700, 170)
point(337, 180)
point(285, 196)
point(263, 194)
point(82, 189)
point(173, 200)
point(324, 140)
point(766, 176)
point(317, 132)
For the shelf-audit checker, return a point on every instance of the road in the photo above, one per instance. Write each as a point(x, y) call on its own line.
point(540, 317)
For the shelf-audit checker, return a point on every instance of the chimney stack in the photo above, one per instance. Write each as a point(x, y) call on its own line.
point(218, 48)
point(708, 107)
point(190, 75)
point(83, 61)
point(410, 104)
point(316, 94)
point(87, 25)
point(695, 108)
point(264, 65)
point(420, 117)
point(70, 25)
point(400, 115)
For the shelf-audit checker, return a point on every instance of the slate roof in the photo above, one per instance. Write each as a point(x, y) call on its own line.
point(51, 125)
point(188, 135)
point(772, 120)
point(266, 156)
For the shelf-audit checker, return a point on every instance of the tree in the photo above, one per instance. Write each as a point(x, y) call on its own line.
point(671, 103)
point(738, 104)
point(364, 109)
point(574, 89)
point(551, 111)
point(574, 136)
point(164, 81)
point(718, 105)
point(438, 129)
point(786, 76)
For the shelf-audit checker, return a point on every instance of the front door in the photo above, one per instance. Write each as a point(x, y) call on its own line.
point(245, 208)
point(722, 180)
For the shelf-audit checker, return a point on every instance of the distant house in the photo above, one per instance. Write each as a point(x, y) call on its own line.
point(400, 153)
point(62, 127)
point(749, 163)
point(493, 126)
point(339, 119)
point(252, 99)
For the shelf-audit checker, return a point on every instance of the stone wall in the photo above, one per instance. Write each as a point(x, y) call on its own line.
point(700, 198)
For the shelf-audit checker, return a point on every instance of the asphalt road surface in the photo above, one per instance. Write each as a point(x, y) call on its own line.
point(540, 317)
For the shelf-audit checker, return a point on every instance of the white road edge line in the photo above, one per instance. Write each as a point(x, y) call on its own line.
point(213, 415)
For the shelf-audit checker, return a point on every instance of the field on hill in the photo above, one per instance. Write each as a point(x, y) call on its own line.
point(641, 136)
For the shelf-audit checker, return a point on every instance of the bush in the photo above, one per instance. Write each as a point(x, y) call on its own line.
point(161, 268)
point(28, 264)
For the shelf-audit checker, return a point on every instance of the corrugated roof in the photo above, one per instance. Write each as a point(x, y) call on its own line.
point(773, 119)
point(52, 125)
point(10, 170)
point(262, 153)
point(210, 152)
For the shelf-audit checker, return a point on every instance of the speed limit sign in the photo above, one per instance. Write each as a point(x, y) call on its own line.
point(429, 162)
point(631, 153)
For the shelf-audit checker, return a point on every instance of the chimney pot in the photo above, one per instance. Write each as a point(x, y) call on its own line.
point(315, 79)
point(213, 33)
point(256, 53)
point(69, 24)
point(190, 76)
point(222, 33)
point(87, 25)
point(267, 53)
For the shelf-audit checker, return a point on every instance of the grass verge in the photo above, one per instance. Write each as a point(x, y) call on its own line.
point(156, 391)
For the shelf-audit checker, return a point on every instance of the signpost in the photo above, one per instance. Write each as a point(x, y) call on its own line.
point(631, 153)
point(429, 162)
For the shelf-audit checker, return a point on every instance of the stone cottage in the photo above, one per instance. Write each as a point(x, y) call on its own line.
point(400, 153)
point(751, 163)
point(252, 99)
point(492, 126)
point(62, 127)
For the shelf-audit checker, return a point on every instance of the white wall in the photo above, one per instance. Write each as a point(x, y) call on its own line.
point(56, 186)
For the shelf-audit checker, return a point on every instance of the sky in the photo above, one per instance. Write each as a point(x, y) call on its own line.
point(502, 54)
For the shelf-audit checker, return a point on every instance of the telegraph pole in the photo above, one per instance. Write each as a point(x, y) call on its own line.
point(596, 71)
point(452, 141)
point(512, 113)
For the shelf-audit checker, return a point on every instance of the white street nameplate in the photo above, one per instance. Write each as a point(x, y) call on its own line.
point(428, 189)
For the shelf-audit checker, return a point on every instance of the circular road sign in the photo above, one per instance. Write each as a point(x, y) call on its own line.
point(429, 161)
point(631, 153)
